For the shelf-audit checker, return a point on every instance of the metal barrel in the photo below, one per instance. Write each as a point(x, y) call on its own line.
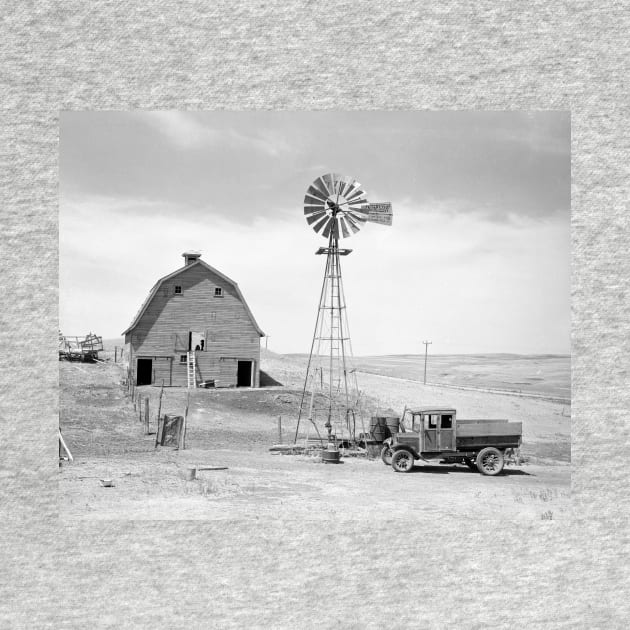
point(330, 456)
point(378, 428)
point(393, 424)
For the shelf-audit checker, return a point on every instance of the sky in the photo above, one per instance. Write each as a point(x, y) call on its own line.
point(477, 259)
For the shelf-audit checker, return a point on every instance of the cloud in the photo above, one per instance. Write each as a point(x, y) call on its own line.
point(181, 129)
point(194, 131)
point(248, 164)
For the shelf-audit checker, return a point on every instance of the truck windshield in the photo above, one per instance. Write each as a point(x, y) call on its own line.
point(411, 422)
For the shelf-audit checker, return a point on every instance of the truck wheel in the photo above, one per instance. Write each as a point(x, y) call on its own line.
point(470, 463)
point(490, 461)
point(386, 455)
point(402, 461)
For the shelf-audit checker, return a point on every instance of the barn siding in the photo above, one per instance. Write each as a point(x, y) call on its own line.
point(162, 330)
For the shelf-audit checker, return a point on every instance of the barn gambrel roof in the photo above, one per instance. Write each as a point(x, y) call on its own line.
point(158, 284)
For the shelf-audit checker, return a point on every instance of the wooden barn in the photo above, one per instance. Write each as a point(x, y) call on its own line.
point(194, 328)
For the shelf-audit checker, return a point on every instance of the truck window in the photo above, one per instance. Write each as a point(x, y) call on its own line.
point(417, 423)
point(430, 421)
point(447, 421)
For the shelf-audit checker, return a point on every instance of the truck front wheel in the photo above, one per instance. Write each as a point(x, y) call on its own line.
point(402, 461)
point(490, 461)
point(386, 455)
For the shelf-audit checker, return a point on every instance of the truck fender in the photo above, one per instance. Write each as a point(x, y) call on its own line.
point(405, 447)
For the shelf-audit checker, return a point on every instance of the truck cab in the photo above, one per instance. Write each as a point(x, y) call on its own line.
point(430, 429)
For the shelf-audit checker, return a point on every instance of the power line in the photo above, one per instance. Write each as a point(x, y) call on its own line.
point(426, 352)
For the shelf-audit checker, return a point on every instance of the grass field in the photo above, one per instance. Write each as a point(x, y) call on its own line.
point(544, 375)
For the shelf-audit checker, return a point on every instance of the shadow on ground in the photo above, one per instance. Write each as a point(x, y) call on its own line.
point(268, 381)
point(446, 470)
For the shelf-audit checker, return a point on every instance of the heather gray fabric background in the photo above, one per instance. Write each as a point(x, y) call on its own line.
point(273, 55)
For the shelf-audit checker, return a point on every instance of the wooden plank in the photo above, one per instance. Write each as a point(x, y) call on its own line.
point(146, 416)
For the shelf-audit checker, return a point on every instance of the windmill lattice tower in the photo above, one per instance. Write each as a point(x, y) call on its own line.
point(336, 207)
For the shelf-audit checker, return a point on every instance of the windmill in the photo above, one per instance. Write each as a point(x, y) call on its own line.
point(336, 207)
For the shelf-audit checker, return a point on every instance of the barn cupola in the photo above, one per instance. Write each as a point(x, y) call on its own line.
point(191, 257)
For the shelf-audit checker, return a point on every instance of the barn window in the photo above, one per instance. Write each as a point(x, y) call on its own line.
point(182, 358)
point(218, 292)
point(178, 289)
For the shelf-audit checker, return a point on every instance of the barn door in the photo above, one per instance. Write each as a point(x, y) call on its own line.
point(196, 340)
point(144, 374)
point(244, 374)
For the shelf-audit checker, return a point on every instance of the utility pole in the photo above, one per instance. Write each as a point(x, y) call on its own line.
point(266, 340)
point(426, 352)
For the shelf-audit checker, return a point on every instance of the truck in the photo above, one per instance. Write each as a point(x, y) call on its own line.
point(431, 433)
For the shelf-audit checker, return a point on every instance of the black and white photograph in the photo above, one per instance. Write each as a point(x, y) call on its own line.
point(315, 315)
point(299, 315)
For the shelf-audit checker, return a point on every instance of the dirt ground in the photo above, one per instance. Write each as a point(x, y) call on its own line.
point(235, 428)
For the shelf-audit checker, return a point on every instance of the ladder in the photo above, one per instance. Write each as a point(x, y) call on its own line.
point(191, 369)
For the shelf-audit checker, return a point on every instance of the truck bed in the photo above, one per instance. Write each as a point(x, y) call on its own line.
point(481, 433)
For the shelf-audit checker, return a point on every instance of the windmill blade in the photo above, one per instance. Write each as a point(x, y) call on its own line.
point(352, 223)
point(354, 192)
point(358, 215)
point(338, 184)
point(320, 185)
point(316, 216)
point(329, 184)
point(341, 185)
point(357, 206)
point(313, 201)
point(316, 193)
point(344, 229)
point(314, 207)
point(318, 226)
point(356, 202)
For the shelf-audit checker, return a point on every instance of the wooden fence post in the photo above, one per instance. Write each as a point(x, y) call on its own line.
point(146, 416)
point(279, 429)
point(182, 433)
point(115, 354)
point(157, 431)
